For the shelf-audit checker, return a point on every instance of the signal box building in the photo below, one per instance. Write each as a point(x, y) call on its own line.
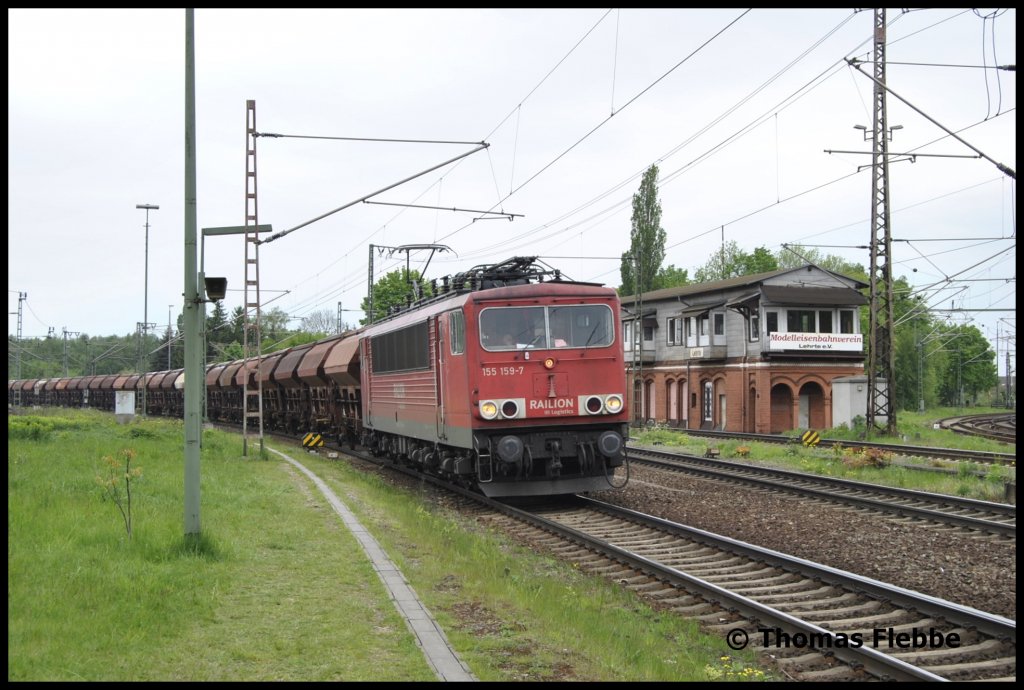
point(759, 354)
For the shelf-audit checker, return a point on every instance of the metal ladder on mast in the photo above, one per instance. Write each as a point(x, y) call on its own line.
point(251, 328)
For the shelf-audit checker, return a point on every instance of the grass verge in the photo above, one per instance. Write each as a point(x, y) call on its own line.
point(277, 589)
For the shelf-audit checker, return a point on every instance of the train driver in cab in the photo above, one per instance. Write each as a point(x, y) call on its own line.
point(560, 329)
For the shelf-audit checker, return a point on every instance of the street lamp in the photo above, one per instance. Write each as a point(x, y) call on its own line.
point(145, 308)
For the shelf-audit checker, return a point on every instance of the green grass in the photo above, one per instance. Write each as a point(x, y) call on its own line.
point(270, 592)
point(277, 589)
point(916, 429)
point(517, 616)
point(836, 460)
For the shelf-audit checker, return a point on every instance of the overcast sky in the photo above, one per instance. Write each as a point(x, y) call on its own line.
point(736, 107)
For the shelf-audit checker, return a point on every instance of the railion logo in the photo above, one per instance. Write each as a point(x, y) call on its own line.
point(553, 404)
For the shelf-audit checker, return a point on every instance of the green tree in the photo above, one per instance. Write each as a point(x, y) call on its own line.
point(761, 261)
point(641, 265)
point(233, 351)
point(274, 324)
point(216, 332)
point(392, 290)
point(321, 322)
point(970, 366)
point(731, 261)
point(670, 276)
point(237, 325)
point(797, 255)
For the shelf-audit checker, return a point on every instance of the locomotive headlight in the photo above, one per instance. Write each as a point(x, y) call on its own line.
point(488, 409)
point(509, 409)
point(549, 363)
point(613, 403)
point(594, 405)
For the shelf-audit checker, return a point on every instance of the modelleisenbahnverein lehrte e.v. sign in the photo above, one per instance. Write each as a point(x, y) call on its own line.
point(846, 342)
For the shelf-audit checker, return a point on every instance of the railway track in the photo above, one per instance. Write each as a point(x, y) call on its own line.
point(986, 517)
point(817, 623)
point(998, 427)
point(895, 449)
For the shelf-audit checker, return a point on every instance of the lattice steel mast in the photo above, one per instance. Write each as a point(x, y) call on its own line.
point(881, 365)
point(251, 324)
point(22, 296)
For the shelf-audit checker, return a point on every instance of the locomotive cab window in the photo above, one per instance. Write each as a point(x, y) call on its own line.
point(520, 328)
point(457, 332)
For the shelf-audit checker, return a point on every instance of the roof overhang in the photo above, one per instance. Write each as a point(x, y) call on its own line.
point(701, 310)
point(785, 294)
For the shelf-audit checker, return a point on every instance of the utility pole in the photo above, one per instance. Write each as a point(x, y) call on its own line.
point(140, 336)
point(921, 378)
point(66, 334)
point(637, 363)
point(145, 309)
point(169, 307)
point(22, 296)
point(1009, 392)
point(192, 318)
point(338, 327)
point(369, 289)
point(251, 329)
point(881, 365)
point(959, 381)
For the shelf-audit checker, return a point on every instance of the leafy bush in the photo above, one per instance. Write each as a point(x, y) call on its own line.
point(30, 427)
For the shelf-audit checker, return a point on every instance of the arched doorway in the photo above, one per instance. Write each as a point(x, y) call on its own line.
point(672, 398)
point(812, 407)
point(751, 411)
point(707, 405)
point(782, 408)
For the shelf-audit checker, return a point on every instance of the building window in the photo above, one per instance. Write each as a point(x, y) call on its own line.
point(824, 322)
point(627, 335)
point(719, 324)
point(800, 321)
point(755, 327)
point(709, 401)
point(675, 331)
point(648, 333)
point(772, 321)
point(845, 321)
point(690, 340)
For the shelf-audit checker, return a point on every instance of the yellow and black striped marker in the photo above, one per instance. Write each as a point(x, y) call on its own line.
point(312, 440)
point(811, 438)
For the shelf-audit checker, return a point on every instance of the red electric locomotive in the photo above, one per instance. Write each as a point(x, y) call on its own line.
point(514, 385)
point(502, 381)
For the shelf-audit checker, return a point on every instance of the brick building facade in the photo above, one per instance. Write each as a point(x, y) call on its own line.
point(758, 353)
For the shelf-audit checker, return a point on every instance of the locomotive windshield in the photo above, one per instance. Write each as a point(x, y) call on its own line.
point(519, 328)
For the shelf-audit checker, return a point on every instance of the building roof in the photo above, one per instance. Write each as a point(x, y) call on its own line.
point(728, 284)
point(782, 294)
